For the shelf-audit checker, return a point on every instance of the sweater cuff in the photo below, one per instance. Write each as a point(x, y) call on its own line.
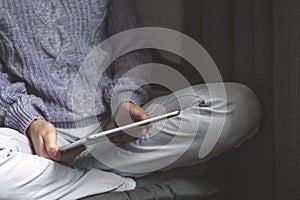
point(26, 109)
point(117, 99)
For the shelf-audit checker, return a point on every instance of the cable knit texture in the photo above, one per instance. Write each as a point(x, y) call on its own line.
point(42, 46)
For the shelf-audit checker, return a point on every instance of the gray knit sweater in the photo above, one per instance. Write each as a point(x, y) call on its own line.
point(42, 45)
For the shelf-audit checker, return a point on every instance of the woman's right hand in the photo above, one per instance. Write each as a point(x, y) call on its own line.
point(43, 137)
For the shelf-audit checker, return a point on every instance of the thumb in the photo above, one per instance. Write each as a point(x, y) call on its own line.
point(138, 114)
point(51, 146)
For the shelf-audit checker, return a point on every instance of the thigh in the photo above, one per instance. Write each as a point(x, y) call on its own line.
point(167, 140)
point(11, 139)
point(178, 141)
point(27, 176)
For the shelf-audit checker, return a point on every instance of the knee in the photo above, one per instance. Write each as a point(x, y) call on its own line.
point(244, 113)
point(246, 103)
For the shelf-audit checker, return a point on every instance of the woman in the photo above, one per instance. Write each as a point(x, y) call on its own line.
point(43, 44)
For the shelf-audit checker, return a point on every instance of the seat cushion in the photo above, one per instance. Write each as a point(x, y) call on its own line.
point(174, 189)
point(175, 184)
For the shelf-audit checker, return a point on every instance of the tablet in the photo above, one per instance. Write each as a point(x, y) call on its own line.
point(117, 131)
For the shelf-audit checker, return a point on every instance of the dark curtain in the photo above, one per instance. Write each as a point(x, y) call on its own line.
point(287, 97)
point(256, 42)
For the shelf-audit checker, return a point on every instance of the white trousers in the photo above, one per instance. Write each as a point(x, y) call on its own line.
point(175, 142)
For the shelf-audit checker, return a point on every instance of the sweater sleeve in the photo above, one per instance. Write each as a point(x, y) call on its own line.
point(121, 16)
point(17, 108)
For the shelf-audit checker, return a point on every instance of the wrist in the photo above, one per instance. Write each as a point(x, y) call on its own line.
point(32, 126)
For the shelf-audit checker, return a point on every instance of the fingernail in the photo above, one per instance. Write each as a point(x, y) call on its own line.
point(54, 155)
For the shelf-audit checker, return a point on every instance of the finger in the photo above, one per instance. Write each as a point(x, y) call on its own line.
point(121, 139)
point(143, 131)
point(144, 116)
point(139, 133)
point(51, 146)
point(66, 157)
point(138, 114)
point(39, 147)
point(123, 115)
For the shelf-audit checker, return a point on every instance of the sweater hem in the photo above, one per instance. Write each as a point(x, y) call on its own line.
point(81, 123)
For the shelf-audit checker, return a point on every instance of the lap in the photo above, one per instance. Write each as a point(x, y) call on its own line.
point(168, 144)
point(174, 142)
point(12, 139)
point(178, 141)
point(29, 176)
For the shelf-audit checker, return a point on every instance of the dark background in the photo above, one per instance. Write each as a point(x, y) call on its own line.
point(255, 42)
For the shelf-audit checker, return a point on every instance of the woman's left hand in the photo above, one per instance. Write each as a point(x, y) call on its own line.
point(128, 113)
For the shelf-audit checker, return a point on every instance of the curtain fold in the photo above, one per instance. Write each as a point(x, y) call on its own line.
point(256, 42)
point(287, 98)
point(254, 67)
